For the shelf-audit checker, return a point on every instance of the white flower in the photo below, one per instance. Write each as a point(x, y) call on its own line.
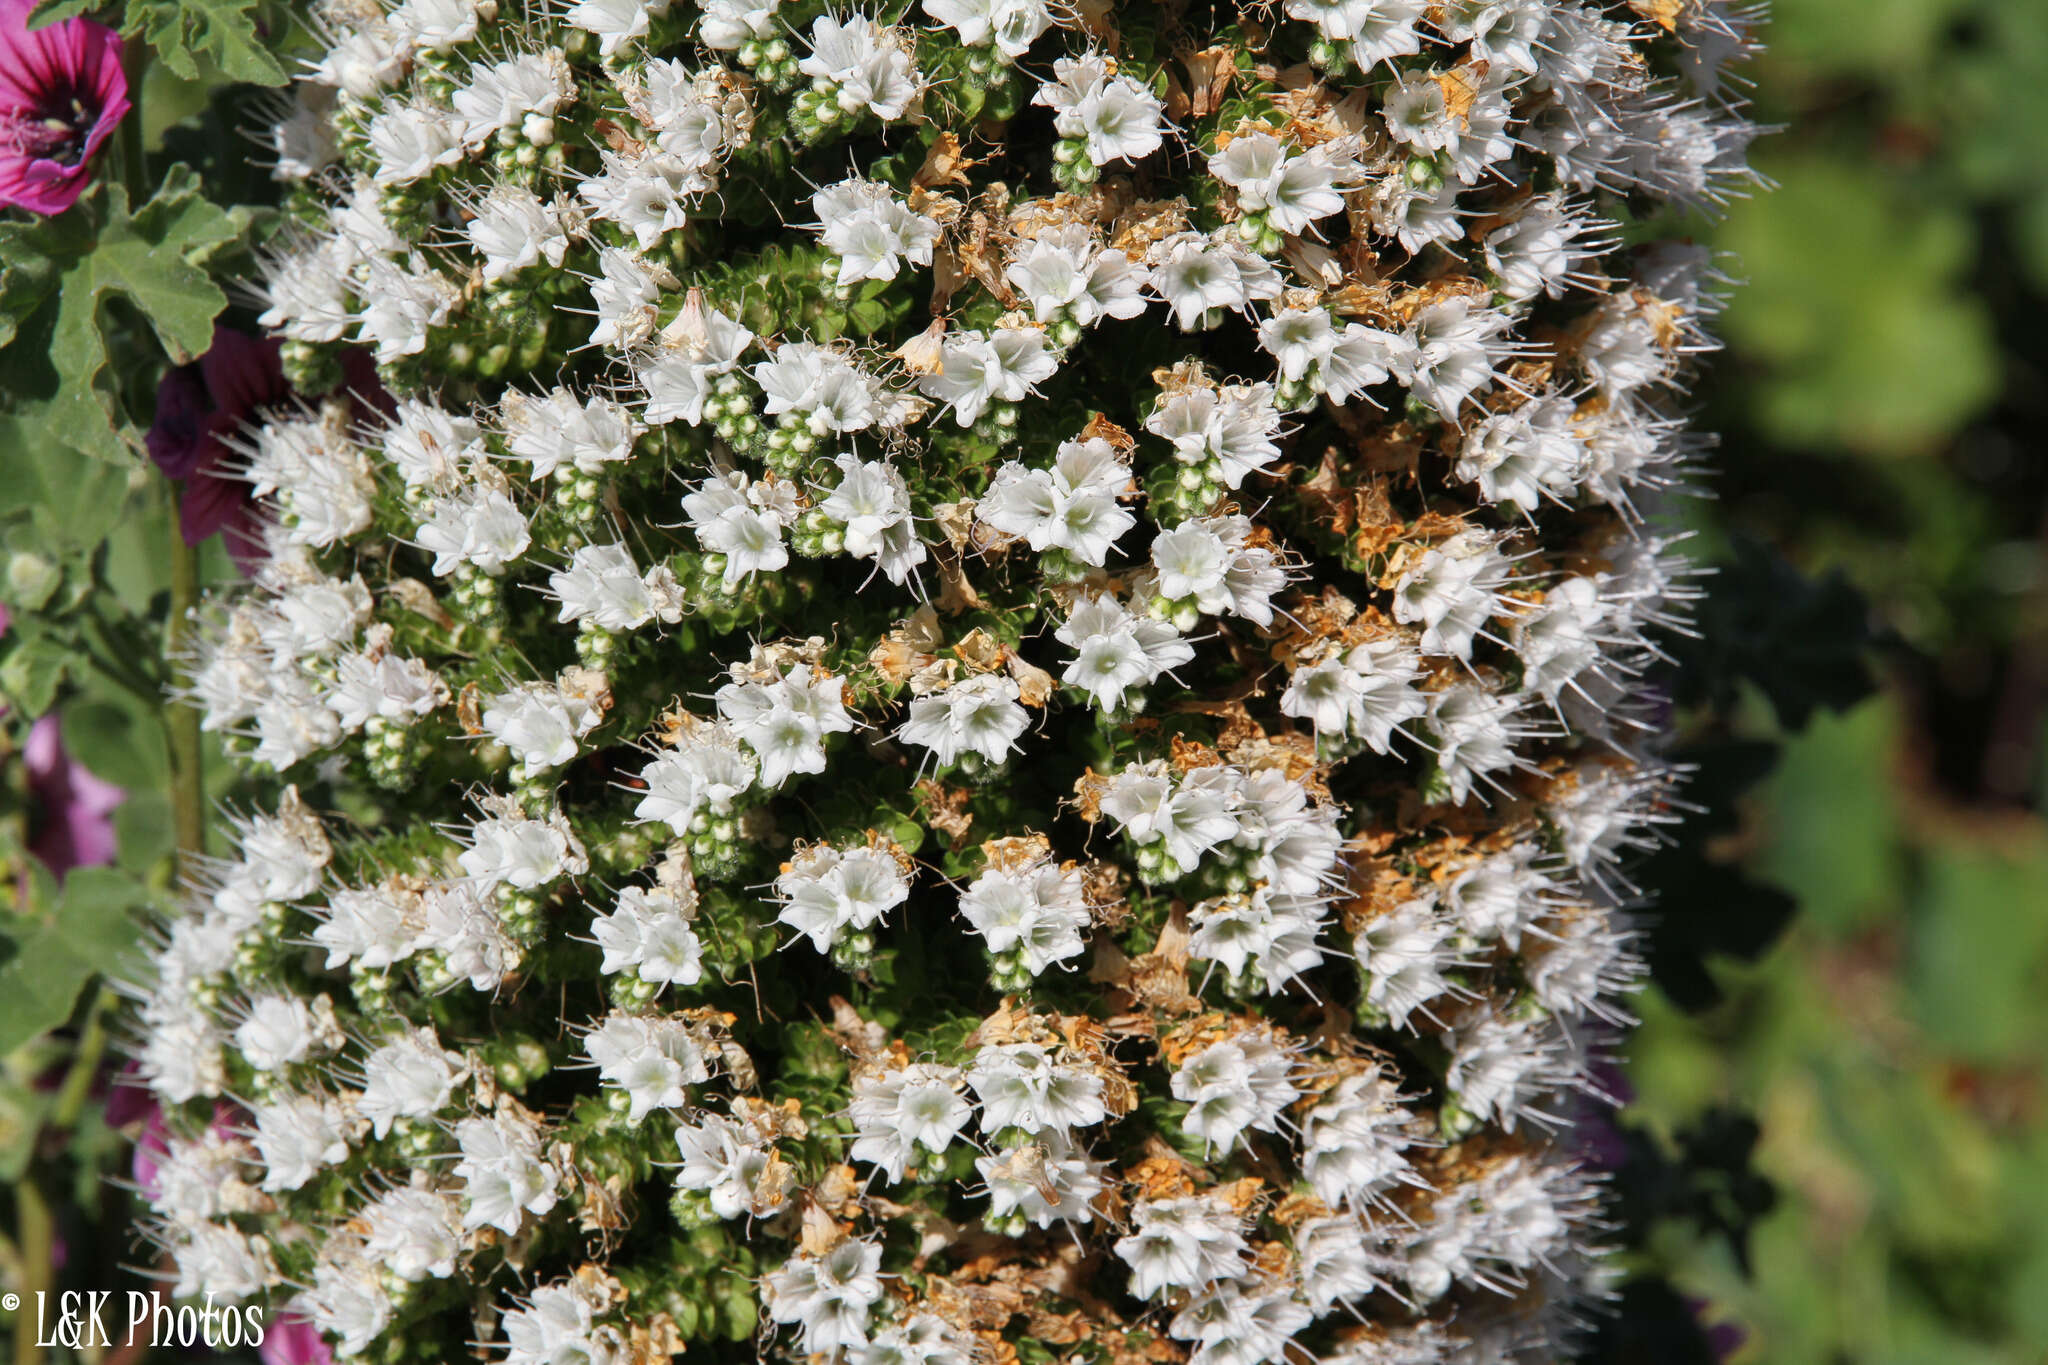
point(1202, 277)
point(1269, 934)
point(480, 526)
point(977, 369)
point(1115, 650)
point(1113, 116)
point(895, 1111)
point(1238, 1083)
point(435, 25)
point(1010, 26)
point(1048, 1180)
point(873, 504)
point(1455, 343)
point(1211, 561)
point(827, 892)
point(1475, 732)
point(1187, 813)
point(649, 934)
point(504, 1175)
point(648, 1059)
point(1185, 1243)
point(410, 1077)
point(1074, 506)
point(1066, 276)
point(866, 65)
point(827, 391)
point(298, 1136)
point(871, 231)
point(1453, 591)
point(522, 852)
point(1293, 191)
point(703, 773)
point(742, 520)
point(1229, 432)
point(700, 345)
point(647, 192)
point(1037, 910)
point(925, 1339)
point(728, 25)
point(540, 723)
point(560, 428)
point(521, 92)
point(1403, 955)
point(430, 446)
point(409, 141)
point(556, 1326)
point(784, 718)
point(615, 22)
point(413, 1232)
point(726, 1162)
point(625, 293)
point(1022, 1086)
point(461, 922)
point(828, 1297)
point(1354, 1141)
point(1500, 1066)
point(978, 715)
point(280, 1030)
point(222, 1261)
point(1524, 455)
point(602, 585)
point(1367, 691)
point(374, 927)
point(1241, 1320)
point(347, 1299)
point(1562, 637)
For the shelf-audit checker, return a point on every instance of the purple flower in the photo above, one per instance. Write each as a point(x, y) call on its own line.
point(199, 408)
point(292, 1340)
point(71, 811)
point(202, 406)
point(62, 91)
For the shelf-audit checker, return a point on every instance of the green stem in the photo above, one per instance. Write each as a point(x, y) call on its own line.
point(85, 1062)
point(36, 1235)
point(188, 790)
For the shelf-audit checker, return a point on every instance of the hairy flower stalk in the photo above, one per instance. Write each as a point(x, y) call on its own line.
point(985, 694)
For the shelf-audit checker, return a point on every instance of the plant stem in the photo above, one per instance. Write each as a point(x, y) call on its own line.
point(36, 1234)
point(85, 1062)
point(188, 791)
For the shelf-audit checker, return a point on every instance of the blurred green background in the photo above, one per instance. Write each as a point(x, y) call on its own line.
point(1882, 404)
point(1881, 504)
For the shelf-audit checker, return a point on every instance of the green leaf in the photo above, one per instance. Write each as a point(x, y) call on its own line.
point(31, 672)
point(225, 30)
point(155, 261)
point(92, 925)
point(120, 744)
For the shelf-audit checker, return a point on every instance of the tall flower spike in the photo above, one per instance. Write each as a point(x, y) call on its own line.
point(958, 646)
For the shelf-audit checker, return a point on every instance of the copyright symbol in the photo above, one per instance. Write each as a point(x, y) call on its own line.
point(10, 1301)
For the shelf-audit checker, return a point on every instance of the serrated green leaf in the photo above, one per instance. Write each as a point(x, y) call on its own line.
point(154, 259)
point(92, 925)
point(58, 11)
point(225, 30)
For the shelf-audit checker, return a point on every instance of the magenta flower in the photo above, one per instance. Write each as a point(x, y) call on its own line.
point(62, 92)
point(199, 408)
point(71, 812)
point(202, 407)
point(292, 1340)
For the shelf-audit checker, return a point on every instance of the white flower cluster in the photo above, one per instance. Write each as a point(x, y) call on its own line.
point(945, 637)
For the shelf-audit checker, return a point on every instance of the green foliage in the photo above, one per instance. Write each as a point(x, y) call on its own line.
point(92, 924)
point(67, 280)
